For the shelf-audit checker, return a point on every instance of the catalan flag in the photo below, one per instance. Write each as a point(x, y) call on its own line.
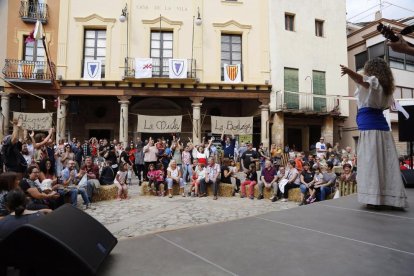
point(232, 73)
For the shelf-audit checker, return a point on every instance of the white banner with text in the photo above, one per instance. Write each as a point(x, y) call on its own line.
point(235, 125)
point(159, 124)
point(34, 121)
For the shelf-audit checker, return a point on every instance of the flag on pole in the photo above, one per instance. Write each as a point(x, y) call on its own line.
point(178, 68)
point(38, 31)
point(232, 73)
point(92, 70)
point(143, 68)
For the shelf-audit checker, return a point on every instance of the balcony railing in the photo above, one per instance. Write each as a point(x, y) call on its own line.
point(160, 71)
point(31, 11)
point(27, 71)
point(306, 102)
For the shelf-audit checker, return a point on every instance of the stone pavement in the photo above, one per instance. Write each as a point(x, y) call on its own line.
point(142, 215)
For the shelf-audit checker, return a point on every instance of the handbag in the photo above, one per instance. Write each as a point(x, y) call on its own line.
point(83, 182)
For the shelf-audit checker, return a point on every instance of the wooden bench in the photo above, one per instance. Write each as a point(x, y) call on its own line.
point(105, 192)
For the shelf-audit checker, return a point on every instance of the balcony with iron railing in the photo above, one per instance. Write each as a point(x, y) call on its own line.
point(307, 103)
point(31, 11)
point(25, 71)
point(158, 70)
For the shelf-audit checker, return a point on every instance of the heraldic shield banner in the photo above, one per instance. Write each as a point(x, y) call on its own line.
point(232, 73)
point(178, 68)
point(92, 70)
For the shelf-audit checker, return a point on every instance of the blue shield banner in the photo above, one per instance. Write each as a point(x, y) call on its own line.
point(178, 68)
point(92, 70)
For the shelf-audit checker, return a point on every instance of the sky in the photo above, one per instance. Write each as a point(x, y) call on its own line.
point(398, 9)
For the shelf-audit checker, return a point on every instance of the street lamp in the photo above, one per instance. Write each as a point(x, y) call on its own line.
point(197, 22)
point(122, 18)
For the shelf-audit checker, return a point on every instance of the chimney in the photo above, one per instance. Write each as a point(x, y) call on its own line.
point(378, 15)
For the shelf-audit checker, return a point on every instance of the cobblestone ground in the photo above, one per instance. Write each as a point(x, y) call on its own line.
point(142, 215)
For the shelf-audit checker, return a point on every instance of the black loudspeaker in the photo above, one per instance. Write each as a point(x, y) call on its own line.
point(406, 127)
point(408, 178)
point(65, 242)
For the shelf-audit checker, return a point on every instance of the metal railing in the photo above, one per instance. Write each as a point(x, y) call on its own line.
point(159, 71)
point(27, 71)
point(31, 11)
point(306, 102)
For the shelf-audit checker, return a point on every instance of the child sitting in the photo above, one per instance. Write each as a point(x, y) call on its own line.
point(251, 180)
point(198, 176)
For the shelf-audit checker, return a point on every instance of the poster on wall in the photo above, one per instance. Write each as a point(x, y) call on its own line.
point(159, 124)
point(34, 121)
point(232, 125)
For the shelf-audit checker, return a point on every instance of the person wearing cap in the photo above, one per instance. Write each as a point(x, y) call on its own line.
point(321, 147)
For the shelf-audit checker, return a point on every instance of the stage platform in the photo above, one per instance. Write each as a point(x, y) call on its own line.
point(334, 237)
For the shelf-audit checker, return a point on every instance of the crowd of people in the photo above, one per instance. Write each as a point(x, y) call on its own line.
point(52, 174)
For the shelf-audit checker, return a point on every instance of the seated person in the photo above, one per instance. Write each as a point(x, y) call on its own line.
point(19, 215)
point(327, 186)
point(251, 180)
point(174, 175)
point(347, 173)
point(107, 174)
point(212, 178)
point(307, 180)
point(317, 179)
point(156, 179)
point(8, 182)
point(92, 175)
point(70, 178)
point(228, 171)
point(38, 199)
point(291, 180)
point(47, 176)
point(198, 176)
point(268, 179)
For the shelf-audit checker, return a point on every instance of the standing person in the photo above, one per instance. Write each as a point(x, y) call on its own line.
point(379, 179)
point(321, 147)
point(121, 181)
point(249, 156)
point(228, 145)
point(150, 156)
point(187, 169)
point(139, 162)
point(263, 155)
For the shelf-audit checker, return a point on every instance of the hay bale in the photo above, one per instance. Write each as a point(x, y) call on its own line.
point(267, 192)
point(105, 192)
point(145, 189)
point(225, 190)
point(294, 195)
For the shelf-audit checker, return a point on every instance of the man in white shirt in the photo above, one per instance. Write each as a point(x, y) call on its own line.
point(321, 147)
